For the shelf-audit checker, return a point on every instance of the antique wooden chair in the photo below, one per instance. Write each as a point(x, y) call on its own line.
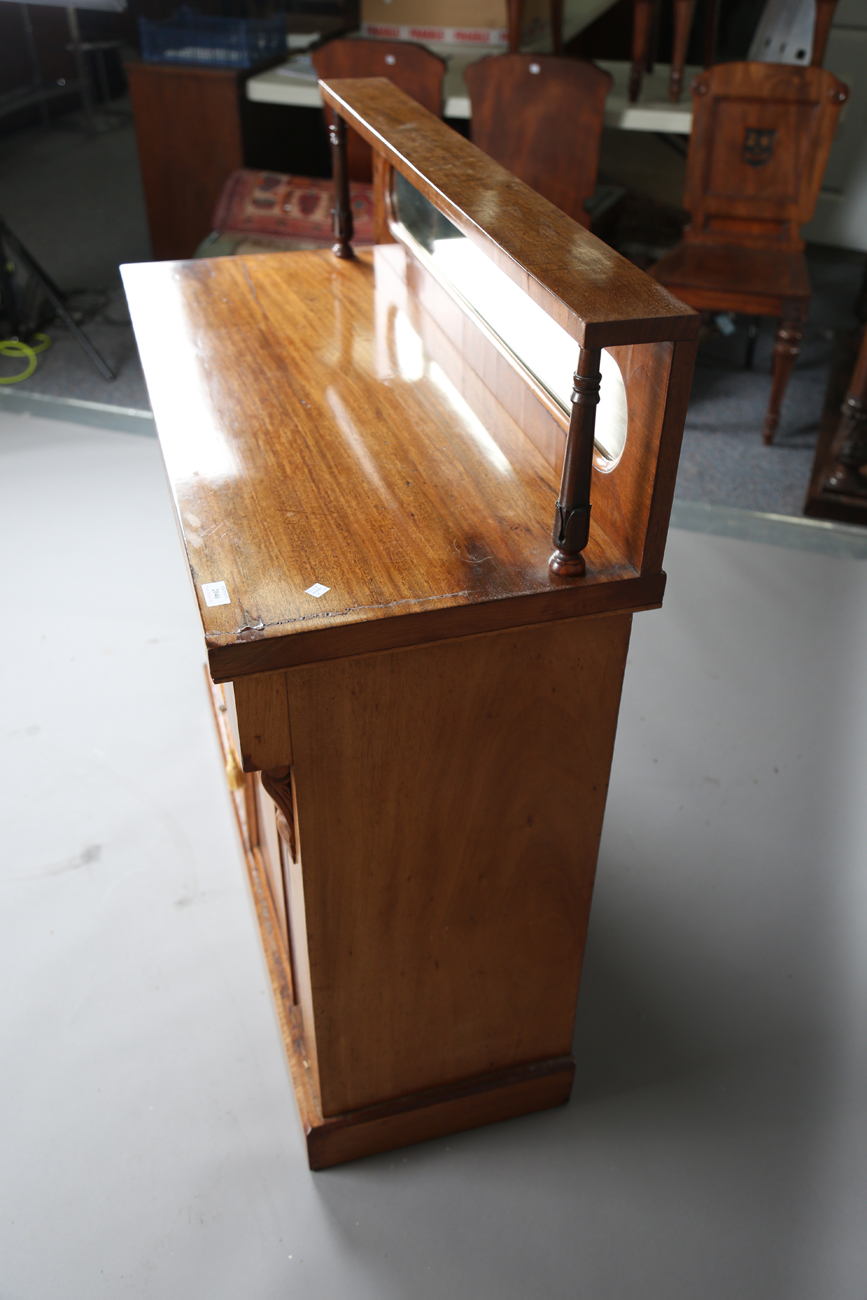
point(760, 141)
point(262, 211)
point(412, 68)
point(541, 117)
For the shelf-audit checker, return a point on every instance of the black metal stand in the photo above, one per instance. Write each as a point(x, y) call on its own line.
point(11, 248)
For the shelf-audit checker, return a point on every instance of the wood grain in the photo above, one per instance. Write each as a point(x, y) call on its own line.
point(734, 201)
point(448, 848)
point(432, 1113)
point(416, 70)
point(300, 451)
point(631, 503)
point(521, 105)
point(594, 293)
point(263, 722)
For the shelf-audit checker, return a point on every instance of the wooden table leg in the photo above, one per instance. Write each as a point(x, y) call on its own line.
point(642, 18)
point(683, 12)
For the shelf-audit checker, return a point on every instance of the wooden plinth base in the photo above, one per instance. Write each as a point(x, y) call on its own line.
point(333, 1140)
point(820, 503)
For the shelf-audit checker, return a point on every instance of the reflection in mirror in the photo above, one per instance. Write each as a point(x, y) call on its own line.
point(536, 341)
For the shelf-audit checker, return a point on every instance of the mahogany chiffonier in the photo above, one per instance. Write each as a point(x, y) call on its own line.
point(416, 680)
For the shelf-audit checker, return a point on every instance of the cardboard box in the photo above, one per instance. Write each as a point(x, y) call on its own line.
point(448, 21)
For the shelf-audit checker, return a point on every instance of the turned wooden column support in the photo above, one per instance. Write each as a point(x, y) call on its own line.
point(786, 351)
point(850, 444)
point(571, 530)
point(341, 213)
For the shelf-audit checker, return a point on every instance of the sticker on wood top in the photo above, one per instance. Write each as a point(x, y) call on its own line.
point(316, 590)
point(215, 593)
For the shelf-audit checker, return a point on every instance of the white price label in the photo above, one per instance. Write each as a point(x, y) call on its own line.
point(215, 593)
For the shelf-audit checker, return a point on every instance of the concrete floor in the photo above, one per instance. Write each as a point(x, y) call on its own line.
point(716, 1141)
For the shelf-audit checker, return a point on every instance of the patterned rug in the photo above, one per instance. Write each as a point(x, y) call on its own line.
point(276, 210)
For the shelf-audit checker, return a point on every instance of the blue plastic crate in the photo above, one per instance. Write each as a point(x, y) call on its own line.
point(212, 42)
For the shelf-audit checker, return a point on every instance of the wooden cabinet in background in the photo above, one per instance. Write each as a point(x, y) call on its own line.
point(194, 127)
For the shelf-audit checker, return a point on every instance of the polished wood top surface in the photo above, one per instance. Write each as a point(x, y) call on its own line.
point(599, 297)
point(310, 439)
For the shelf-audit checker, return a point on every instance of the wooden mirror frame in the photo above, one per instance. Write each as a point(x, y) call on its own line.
point(590, 291)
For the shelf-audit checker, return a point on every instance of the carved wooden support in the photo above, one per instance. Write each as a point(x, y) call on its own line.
point(786, 351)
point(278, 784)
point(341, 213)
point(850, 444)
point(571, 530)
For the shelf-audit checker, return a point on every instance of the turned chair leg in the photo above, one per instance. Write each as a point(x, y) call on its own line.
point(786, 351)
point(642, 17)
point(850, 444)
point(683, 11)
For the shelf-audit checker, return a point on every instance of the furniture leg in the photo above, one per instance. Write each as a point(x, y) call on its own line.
point(516, 22)
point(642, 17)
point(850, 444)
point(752, 335)
point(341, 213)
point(683, 12)
point(786, 351)
point(824, 18)
point(571, 529)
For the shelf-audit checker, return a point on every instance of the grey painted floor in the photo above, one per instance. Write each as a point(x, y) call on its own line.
point(716, 1142)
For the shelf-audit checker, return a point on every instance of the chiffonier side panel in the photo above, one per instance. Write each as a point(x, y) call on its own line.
point(450, 802)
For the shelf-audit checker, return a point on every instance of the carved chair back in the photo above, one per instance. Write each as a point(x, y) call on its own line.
point(411, 67)
point(541, 117)
point(760, 141)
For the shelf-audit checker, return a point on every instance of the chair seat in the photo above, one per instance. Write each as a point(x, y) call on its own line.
point(296, 210)
point(728, 277)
